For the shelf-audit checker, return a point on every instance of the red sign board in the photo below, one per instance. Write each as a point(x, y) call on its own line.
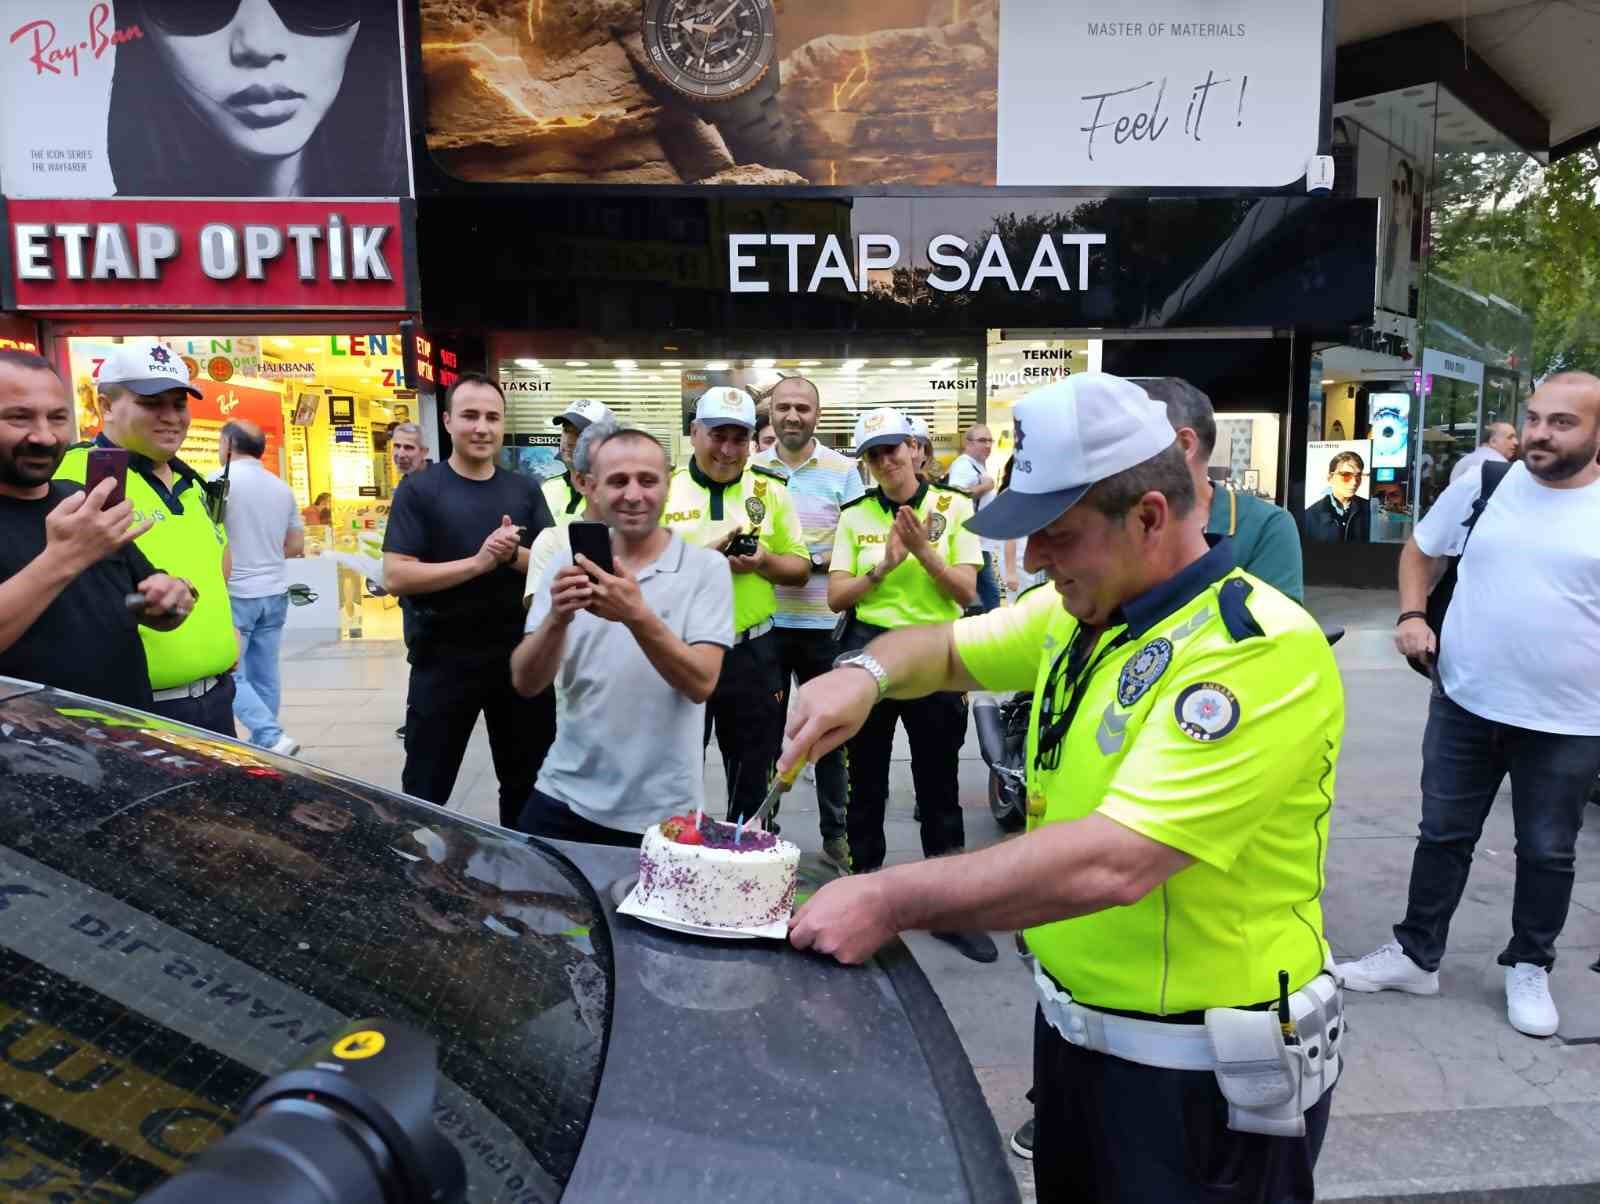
point(211, 255)
point(18, 334)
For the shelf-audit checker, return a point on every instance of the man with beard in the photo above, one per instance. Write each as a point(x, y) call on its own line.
point(820, 481)
point(68, 562)
point(1531, 569)
point(457, 545)
point(144, 394)
point(634, 654)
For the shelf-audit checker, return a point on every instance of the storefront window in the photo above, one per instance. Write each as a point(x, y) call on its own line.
point(658, 394)
point(327, 403)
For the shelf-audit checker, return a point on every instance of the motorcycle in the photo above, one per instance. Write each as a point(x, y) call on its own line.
point(1002, 723)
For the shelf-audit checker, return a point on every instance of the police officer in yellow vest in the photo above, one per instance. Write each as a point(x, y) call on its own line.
point(1186, 723)
point(561, 493)
point(712, 501)
point(144, 394)
point(902, 556)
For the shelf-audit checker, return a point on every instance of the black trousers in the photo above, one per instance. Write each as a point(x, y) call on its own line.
point(1114, 1132)
point(213, 710)
point(805, 654)
point(747, 715)
point(448, 691)
point(550, 817)
point(935, 726)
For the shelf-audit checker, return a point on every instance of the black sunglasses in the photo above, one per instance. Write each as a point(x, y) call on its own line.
point(196, 18)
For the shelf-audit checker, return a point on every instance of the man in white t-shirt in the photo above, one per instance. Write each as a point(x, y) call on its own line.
point(969, 472)
point(1531, 572)
point(264, 527)
point(1499, 443)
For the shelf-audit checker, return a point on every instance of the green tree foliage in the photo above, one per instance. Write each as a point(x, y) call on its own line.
point(1503, 225)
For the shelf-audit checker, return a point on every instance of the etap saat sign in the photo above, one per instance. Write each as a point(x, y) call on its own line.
point(213, 255)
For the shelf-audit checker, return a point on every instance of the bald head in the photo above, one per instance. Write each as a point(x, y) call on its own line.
point(1501, 436)
point(244, 438)
point(978, 443)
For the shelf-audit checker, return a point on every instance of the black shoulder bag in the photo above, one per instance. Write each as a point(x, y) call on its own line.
point(1439, 599)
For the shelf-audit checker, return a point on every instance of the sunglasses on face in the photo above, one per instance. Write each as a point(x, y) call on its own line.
point(308, 18)
point(1350, 476)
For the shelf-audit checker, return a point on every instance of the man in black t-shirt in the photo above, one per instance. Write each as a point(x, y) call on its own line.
point(457, 546)
point(68, 563)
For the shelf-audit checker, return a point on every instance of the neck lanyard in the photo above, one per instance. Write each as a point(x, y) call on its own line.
point(1069, 670)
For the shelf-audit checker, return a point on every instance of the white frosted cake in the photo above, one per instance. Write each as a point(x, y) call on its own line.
point(699, 874)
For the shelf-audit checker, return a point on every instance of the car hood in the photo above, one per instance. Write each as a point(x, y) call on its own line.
point(221, 908)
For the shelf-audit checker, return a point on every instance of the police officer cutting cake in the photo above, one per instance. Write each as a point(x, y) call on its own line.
point(1186, 723)
point(719, 501)
point(902, 555)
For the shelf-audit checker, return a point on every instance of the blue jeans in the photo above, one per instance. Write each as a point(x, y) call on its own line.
point(988, 588)
point(1464, 760)
point(255, 702)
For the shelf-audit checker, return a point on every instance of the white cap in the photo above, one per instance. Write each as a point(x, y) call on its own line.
point(581, 412)
point(919, 428)
point(723, 405)
point(1070, 435)
point(880, 426)
point(147, 369)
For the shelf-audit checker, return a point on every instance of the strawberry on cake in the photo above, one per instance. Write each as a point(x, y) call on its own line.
point(709, 874)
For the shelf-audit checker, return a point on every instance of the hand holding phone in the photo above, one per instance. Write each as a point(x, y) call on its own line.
point(744, 543)
point(593, 541)
point(107, 463)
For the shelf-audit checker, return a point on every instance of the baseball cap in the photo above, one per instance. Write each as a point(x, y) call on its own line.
point(1071, 435)
point(147, 369)
point(723, 405)
point(919, 428)
point(581, 412)
point(880, 426)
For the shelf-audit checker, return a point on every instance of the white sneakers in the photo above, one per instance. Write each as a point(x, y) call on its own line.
point(287, 746)
point(1528, 1004)
point(1529, 1007)
point(1387, 968)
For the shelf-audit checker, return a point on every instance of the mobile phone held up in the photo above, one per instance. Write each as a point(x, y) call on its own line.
point(104, 463)
point(592, 540)
point(746, 543)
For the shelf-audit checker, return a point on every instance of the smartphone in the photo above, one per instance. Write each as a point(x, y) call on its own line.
point(592, 540)
point(107, 462)
point(746, 543)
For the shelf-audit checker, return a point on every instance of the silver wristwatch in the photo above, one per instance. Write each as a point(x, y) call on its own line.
point(862, 659)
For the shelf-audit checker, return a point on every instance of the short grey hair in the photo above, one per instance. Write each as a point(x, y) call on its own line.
point(1186, 406)
point(412, 429)
point(591, 437)
point(1166, 473)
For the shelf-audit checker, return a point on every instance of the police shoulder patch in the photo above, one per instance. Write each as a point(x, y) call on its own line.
point(855, 501)
point(956, 489)
point(761, 471)
point(1207, 711)
point(1142, 671)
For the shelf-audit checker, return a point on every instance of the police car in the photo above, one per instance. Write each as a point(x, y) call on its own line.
point(182, 916)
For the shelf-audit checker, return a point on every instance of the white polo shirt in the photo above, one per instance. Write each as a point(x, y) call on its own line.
point(261, 512)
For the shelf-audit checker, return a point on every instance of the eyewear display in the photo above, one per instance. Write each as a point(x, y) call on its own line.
point(197, 18)
point(1350, 476)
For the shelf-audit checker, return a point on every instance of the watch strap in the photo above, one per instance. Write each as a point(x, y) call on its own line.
point(754, 125)
point(861, 659)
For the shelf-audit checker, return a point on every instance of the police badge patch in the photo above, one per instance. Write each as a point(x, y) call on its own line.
point(1143, 671)
point(755, 508)
point(1207, 711)
point(936, 526)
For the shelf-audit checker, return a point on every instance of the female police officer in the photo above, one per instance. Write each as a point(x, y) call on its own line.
point(902, 556)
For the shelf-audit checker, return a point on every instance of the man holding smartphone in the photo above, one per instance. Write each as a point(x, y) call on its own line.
point(633, 652)
point(144, 393)
point(68, 561)
point(457, 546)
point(746, 513)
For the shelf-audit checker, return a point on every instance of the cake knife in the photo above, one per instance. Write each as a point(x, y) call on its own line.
point(780, 787)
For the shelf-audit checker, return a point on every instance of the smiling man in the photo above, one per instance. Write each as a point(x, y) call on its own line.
point(144, 394)
point(1181, 749)
point(457, 546)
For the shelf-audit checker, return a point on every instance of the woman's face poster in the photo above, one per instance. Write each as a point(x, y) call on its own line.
point(204, 98)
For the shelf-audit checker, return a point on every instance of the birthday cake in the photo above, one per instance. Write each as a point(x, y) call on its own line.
point(714, 875)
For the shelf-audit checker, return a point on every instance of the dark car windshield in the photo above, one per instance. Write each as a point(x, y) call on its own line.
point(181, 917)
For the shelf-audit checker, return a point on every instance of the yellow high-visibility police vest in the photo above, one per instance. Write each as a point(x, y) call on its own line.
point(183, 543)
point(906, 596)
point(1209, 719)
point(565, 502)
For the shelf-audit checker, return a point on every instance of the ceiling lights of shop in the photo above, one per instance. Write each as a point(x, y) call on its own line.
point(852, 365)
point(763, 363)
point(717, 365)
point(577, 363)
